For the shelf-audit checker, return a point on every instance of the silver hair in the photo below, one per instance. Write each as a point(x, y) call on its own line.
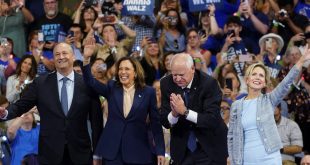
point(187, 57)
point(64, 43)
point(290, 49)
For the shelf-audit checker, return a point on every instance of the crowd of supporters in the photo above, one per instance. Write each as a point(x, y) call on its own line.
point(222, 40)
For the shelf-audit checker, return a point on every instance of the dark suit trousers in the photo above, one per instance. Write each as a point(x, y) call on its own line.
point(119, 161)
point(198, 157)
point(66, 159)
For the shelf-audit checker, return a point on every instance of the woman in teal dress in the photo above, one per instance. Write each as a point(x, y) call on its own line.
point(253, 138)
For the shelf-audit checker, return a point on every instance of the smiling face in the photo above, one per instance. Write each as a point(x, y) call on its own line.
point(63, 58)
point(153, 49)
point(257, 79)
point(26, 65)
point(126, 73)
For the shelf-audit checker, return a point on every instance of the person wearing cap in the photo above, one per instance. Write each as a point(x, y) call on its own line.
point(270, 45)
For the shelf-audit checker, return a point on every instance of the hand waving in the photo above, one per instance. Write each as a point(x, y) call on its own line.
point(89, 48)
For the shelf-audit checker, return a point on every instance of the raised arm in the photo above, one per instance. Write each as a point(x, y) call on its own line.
point(283, 88)
point(14, 126)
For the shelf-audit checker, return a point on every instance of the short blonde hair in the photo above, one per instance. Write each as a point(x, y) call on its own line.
point(250, 69)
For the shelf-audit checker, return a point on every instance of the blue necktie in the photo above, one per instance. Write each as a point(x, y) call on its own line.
point(64, 96)
point(191, 143)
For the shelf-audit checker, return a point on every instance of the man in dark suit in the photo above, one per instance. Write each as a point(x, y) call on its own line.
point(64, 104)
point(191, 109)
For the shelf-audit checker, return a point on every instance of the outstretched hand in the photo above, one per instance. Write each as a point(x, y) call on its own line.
point(304, 58)
point(89, 47)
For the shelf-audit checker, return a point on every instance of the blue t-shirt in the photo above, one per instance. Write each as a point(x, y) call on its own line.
point(273, 67)
point(25, 142)
point(302, 9)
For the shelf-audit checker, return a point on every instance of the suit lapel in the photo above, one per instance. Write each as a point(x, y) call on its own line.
point(138, 99)
point(53, 84)
point(193, 90)
point(118, 96)
point(76, 89)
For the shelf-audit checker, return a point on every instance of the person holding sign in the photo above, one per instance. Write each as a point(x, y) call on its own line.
point(53, 24)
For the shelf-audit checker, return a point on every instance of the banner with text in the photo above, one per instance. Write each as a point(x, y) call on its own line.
point(200, 5)
point(138, 7)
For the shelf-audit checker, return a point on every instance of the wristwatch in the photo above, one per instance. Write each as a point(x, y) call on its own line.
point(185, 114)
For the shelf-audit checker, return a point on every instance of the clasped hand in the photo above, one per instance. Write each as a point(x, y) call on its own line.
point(177, 105)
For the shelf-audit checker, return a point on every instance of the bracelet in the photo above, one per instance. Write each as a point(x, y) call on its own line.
point(197, 60)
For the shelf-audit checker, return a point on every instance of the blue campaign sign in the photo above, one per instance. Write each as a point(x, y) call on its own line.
point(50, 32)
point(200, 5)
point(138, 7)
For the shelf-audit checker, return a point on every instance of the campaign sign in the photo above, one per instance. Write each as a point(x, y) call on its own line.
point(50, 32)
point(200, 5)
point(138, 7)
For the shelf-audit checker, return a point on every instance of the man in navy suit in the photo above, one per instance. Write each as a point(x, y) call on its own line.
point(64, 107)
point(191, 109)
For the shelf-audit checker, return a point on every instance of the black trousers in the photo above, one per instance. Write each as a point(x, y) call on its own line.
point(66, 159)
point(198, 157)
point(119, 161)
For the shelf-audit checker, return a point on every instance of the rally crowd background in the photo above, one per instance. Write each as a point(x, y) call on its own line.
point(223, 40)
